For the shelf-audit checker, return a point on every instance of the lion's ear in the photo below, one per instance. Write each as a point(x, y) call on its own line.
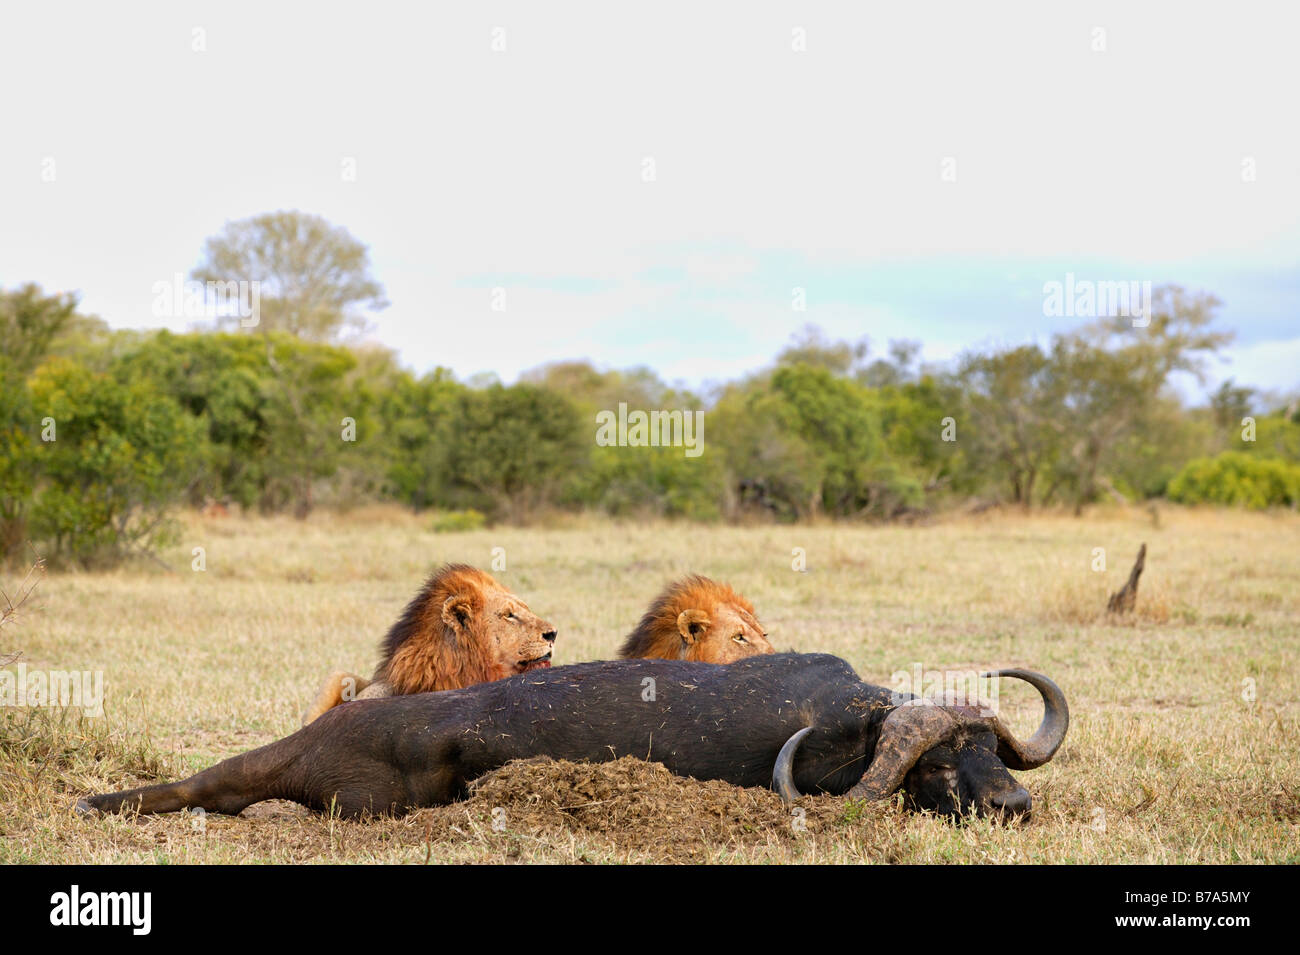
point(457, 611)
point(692, 623)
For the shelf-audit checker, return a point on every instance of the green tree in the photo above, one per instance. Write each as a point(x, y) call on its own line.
point(119, 458)
point(1229, 404)
point(417, 418)
point(1094, 408)
point(271, 408)
point(654, 481)
point(810, 346)
point(804, 441)
point(513, 450)
point(32, 327)
point(1012, 401)
point(1276, 435)
point(660, 481)
point(915, 417)
point(1238, 479)
point(30, 323)
point(314, 277)
point(770, 466)
point(1112, 375)
point(899, 368)
point(17, 458)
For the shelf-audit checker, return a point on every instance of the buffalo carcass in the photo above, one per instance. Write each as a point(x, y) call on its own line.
point(803, 722)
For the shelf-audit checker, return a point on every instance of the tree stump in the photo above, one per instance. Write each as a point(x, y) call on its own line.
point(1123, 600)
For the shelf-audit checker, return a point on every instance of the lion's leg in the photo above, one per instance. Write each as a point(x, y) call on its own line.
point(339, 687)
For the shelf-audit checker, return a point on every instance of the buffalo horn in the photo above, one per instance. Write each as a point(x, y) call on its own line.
point(905, 735)
point(1047, 739)
point(783, 771)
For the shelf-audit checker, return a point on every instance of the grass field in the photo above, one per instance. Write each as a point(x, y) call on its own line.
point(1183, 745)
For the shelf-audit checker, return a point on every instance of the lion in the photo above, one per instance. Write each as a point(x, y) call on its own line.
point(462, 628)
point(696, 618)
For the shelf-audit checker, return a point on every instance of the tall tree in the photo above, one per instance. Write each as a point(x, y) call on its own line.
point(17, 457)
point(122, 456)
point(1229, 404)
point(810, 346)
point(1012, 401)
point(33, 326)
point(29, 324)
point(314, 278)
point(1112, 374)
point(511, 451)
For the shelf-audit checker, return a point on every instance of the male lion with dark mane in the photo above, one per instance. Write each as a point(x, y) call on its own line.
point(696, 618)
point(462, 628)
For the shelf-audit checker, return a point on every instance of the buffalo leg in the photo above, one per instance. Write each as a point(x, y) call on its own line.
point(228, 787)
point(344, 762)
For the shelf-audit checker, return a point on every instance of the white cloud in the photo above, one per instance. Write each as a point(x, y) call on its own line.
point(1270, 366)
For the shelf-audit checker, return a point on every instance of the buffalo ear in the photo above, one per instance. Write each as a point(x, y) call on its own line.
point(692, 624)
point(457, 611)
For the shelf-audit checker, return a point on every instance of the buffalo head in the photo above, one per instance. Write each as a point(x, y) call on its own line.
point(950, 759)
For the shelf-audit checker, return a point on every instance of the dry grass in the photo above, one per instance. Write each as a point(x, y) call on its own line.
point(1166, 761)
point(11, 609)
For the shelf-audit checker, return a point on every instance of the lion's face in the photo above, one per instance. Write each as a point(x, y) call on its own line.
point(724, 633)
point(695, 618)
point(520, 639)
point(463, 628)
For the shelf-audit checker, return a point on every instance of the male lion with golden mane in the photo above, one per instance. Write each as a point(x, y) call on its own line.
point(462, 628)
point(696, 618)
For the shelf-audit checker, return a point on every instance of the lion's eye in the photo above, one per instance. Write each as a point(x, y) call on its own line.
point(740, 638)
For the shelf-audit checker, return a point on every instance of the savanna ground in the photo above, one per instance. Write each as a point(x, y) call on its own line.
point(1183, 744)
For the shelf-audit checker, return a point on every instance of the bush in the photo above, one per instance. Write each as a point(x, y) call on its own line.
point(1238, 479)
point(655, 481)
point(451, 522)
point(511, 452)
point(119, 458)
point(802, 442)
point(17, 459)
point(270, 407)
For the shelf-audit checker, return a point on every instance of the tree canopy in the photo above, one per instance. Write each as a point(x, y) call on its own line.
point(103, 435)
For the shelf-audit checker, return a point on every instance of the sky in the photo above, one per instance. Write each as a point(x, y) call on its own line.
point(650, 184)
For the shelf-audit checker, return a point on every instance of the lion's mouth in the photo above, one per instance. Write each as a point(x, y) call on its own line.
point(538, 664)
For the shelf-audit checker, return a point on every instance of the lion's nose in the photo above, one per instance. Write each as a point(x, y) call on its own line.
point(549, 636)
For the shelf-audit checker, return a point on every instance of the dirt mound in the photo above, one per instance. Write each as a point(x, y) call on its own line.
point(636, 809)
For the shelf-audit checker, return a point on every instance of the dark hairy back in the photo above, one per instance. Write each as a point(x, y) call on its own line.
point(704, 720)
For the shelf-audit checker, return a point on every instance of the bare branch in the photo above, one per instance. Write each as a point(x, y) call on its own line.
point(10, 610)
